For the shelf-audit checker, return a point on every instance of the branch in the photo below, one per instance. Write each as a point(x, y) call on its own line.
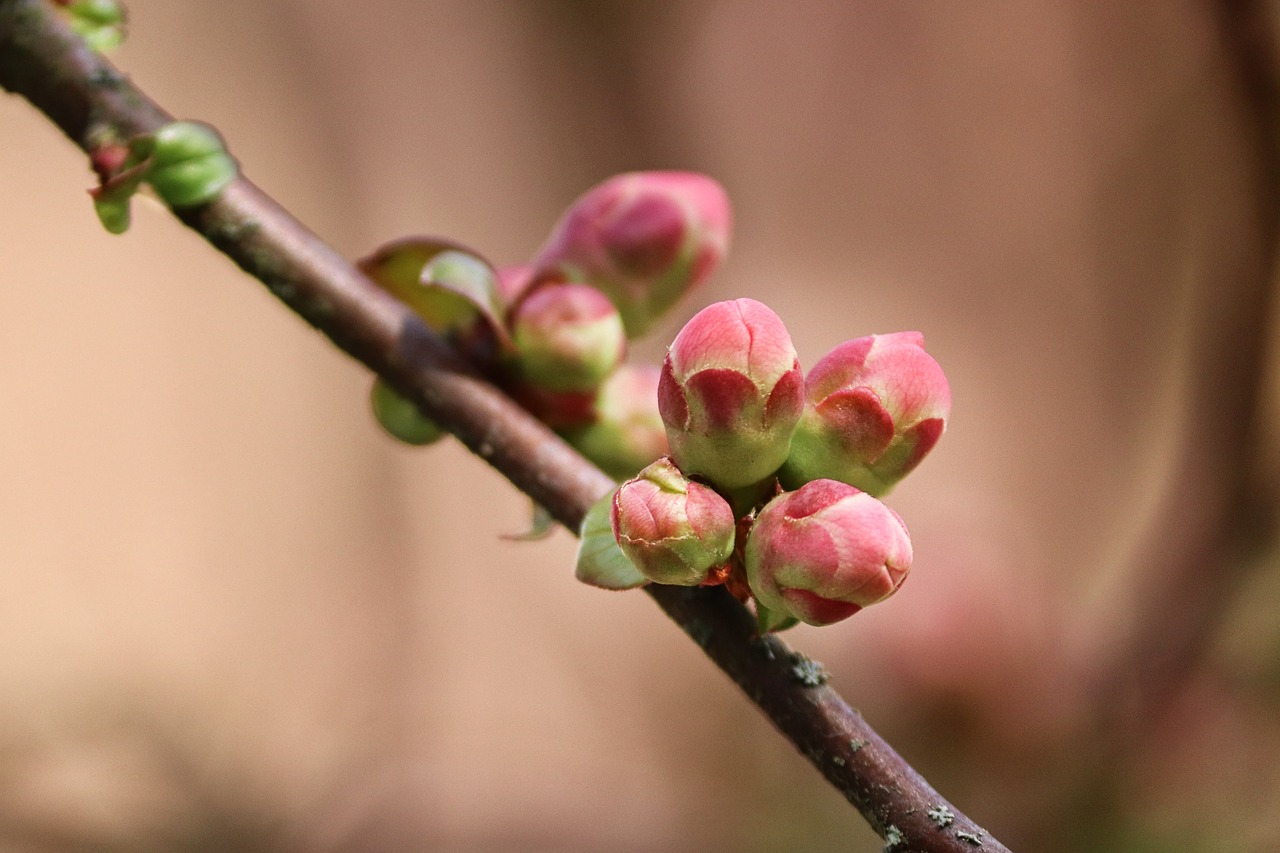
point(42, 60)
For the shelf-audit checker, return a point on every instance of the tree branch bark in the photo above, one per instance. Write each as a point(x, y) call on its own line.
point(85, 96)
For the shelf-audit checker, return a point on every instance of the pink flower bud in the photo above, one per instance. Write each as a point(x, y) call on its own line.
point(627, 432)
point(568, 337)
point(674, 530)
point(825, 551)
point(874, 407)
point(643, 238)
point(731, 393)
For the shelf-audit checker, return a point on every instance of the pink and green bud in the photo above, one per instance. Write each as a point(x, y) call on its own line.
point(823, 552)
point(675, 531)
point(731, 393)
point(568, 337)
point(874, 407)
point(643, 238)
point(626, 433)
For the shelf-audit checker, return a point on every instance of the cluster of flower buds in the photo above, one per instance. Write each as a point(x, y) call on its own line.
point(554, 332)
point(752, 474)
point(773, 478)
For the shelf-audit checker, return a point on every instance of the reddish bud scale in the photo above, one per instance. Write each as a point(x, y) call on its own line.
point(108, 158)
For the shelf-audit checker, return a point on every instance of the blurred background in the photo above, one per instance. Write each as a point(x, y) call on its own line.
point(234, 616)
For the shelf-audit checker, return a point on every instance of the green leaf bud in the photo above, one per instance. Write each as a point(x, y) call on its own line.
point(189, 165)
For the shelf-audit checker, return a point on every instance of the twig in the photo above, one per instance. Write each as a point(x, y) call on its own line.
point(42, 60)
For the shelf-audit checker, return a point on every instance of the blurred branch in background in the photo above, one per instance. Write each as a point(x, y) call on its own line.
point(1217, 515)
point(1153, 646)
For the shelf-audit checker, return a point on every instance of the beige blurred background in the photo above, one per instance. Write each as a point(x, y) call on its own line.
point(233, 616)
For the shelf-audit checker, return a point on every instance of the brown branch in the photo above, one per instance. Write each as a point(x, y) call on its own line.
point(85, 96)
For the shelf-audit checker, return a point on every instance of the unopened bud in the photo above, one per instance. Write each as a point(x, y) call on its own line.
point(568, 337)
point(643, 238)
point(874, 407)
point(675, 531)
point(825, 551)
point(731, 393)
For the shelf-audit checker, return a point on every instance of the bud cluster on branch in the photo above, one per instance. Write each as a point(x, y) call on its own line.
point(553, 332)
point(743, 424)
point(754, 475)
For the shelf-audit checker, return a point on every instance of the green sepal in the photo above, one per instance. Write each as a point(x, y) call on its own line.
point(400, 418)
point(447, 285)
point(772, 621)
point(600, 561)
